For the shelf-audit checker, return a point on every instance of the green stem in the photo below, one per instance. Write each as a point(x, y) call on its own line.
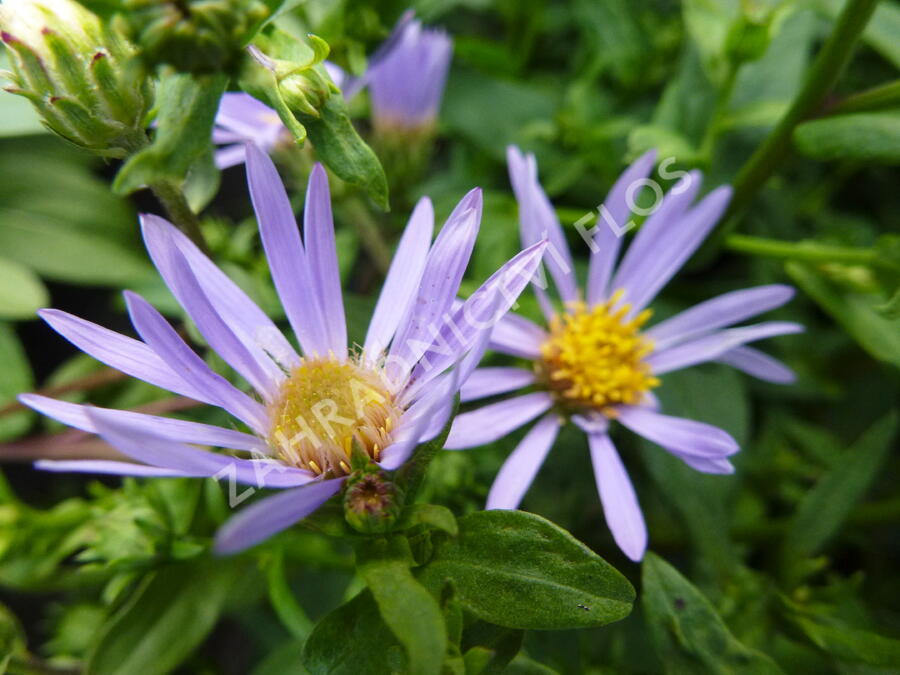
point(877, 98)
point(823, 74)
point(180, 213)
point(805, 251)
point(370, 235)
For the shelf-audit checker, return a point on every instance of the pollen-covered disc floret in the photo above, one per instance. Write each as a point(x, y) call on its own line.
point(594, 357)
point(323, 407)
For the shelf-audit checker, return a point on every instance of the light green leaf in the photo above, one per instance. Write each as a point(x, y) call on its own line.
point(168, 616)
point(857, 312)
point(187, 110)
point(404, 604)
point(518, 570)
point(55, 250)
point(865, 137)
point(21, 292)
point(340, 147)
point(688, 634)
point(825, 507)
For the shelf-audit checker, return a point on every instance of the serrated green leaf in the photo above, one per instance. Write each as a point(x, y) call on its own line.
point(864, 137)
point(518, 570)
point(410, 611)
point(688, 634)
point(21, 292)
point(165, 620)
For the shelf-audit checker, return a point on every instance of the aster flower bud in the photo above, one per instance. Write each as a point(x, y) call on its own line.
point(372, 502)
point(196, 36)
point(72, 68)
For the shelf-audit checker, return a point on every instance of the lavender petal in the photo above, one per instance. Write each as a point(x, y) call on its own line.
point(491, 422)
point(522, 465)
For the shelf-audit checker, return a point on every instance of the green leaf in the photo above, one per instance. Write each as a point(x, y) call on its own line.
point(825, 507)
point(353, 639)
point(865, 137)
point(168, 616)
point(850, 644)
point(21, 292)
point(17, 379)
point(518, 570)
point(404, 604)
point(340, 147)
point(688, 634)
point(187, 110)
point(857, 312)
point(56, 250)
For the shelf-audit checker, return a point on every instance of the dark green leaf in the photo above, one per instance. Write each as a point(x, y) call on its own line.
point(16, 379)
point(825, 507)
point(865, 137)
point(353, 639)
point(405, 605)
point(168, 616)
point(187, 110)
point(688, 634)
point(851, 644)
point(516, 569)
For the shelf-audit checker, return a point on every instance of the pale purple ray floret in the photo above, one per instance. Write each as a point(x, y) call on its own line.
point(559, 385)
point(406, 82)
point(412, 313)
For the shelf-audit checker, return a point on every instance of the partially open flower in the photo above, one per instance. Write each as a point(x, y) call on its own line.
point(74, 70)
point(308, 412)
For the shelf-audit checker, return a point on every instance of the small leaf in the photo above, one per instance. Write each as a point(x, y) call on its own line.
point(865, 137)
point(340, 147)
point(432, 515)
point(518, 570)
point(687, 632)
point(404, 604)
point(353, 639)
point(857, 312)
point(825, 507)
point(21, 292)
point(17, 379)
point(187, 110)
point(850, 644)
point(168, 616)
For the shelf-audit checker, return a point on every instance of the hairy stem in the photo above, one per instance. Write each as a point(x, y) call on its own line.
point(180, 213)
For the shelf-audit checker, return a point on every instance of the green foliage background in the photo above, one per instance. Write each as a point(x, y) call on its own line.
point(787, 566)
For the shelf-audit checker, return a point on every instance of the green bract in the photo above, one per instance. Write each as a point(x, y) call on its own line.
point(77, 73)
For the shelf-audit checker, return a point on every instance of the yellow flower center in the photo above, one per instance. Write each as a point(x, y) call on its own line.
point(593, 358)
point(323, 407)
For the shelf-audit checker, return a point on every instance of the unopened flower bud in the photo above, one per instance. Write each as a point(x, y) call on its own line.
point(72, 68)
point(371, 502)
point(193, 36)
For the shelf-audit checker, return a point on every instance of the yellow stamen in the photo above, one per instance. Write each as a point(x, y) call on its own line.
point(326, 405)
point(594, 358)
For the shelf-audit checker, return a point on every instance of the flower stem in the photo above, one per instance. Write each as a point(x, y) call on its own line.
point(370, 235)
point(180, 213)
point(807, 251)
point(820, 79)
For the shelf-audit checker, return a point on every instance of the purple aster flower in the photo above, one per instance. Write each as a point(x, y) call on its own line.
point(596, 362)
point(242, 119)
point(406, 77)
point(306, 412)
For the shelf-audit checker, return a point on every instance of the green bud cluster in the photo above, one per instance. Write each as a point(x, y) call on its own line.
point(75, 71)
point(372, 502)
point(193, 36)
